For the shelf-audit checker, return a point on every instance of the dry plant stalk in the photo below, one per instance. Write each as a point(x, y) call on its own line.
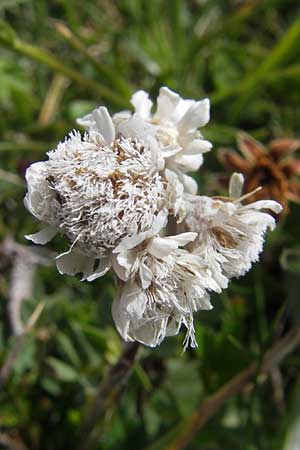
point(8, 365)
point(22, 263)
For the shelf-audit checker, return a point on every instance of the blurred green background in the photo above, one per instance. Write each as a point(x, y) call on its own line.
point(61, 58)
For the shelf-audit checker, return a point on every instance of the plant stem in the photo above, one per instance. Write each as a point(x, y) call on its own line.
point(109, 392)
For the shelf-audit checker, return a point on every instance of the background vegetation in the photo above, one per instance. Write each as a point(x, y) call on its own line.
point(59, 59)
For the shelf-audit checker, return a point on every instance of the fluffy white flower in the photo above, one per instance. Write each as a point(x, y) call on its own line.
point(112, 192)
point(174, 126)
point(98, 190)
point(230, 234)
point(162, 286)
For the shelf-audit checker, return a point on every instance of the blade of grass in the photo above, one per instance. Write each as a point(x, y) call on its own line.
point(24, 146)
point(290, 72)
point(109, 75)
point(10, 39)
point(53, 99)
point(278, 54)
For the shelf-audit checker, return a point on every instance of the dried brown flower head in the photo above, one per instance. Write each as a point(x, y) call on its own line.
point(273, 167)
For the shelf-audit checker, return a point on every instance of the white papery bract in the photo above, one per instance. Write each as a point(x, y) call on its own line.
point(98, 190)
point(230, 234)
point(162, 286)
point(174, 125)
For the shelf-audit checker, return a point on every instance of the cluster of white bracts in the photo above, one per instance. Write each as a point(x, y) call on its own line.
point(112, 193)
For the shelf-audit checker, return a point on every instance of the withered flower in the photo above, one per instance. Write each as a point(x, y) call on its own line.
point(274, 167)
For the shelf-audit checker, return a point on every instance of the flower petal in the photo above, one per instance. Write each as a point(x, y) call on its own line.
point(142, 104)
point(183, 238)
point(161, 247)
point(73, 262)
point(198, 146)
point(236, 185)
point(158, 223)
point(43, 236)
point(189, 184)
point(196, 116)
point(264, 204)
point(134, 301)
point(170, 150)
point(105, 124)
point(120, 117)
point(99, 120)
point(145, 276)
point(123, 262)
point(121, 320)
point(175, 194)
point(189, 163)
point(167, 101)
point(102, 268)
point(136, 127)
point(130, 242)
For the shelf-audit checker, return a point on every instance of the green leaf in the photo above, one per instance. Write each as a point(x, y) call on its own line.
point(51, 386)
point(63, 371)
point(67, 347)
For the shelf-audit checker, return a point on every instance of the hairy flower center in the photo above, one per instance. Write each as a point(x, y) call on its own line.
point(105, 193)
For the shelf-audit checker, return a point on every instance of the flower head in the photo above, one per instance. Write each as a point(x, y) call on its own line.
point(162, 286)
point(230, 234)
point(174, 125)
point(98, 190)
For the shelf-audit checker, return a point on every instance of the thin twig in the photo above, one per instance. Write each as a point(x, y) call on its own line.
point(187, 429)
point(18, 345)
point(108, 393)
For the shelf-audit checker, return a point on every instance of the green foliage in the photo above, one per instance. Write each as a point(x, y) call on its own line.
point(245, 57)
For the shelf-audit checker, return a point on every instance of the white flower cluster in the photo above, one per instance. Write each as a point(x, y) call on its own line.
point(115, 192)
